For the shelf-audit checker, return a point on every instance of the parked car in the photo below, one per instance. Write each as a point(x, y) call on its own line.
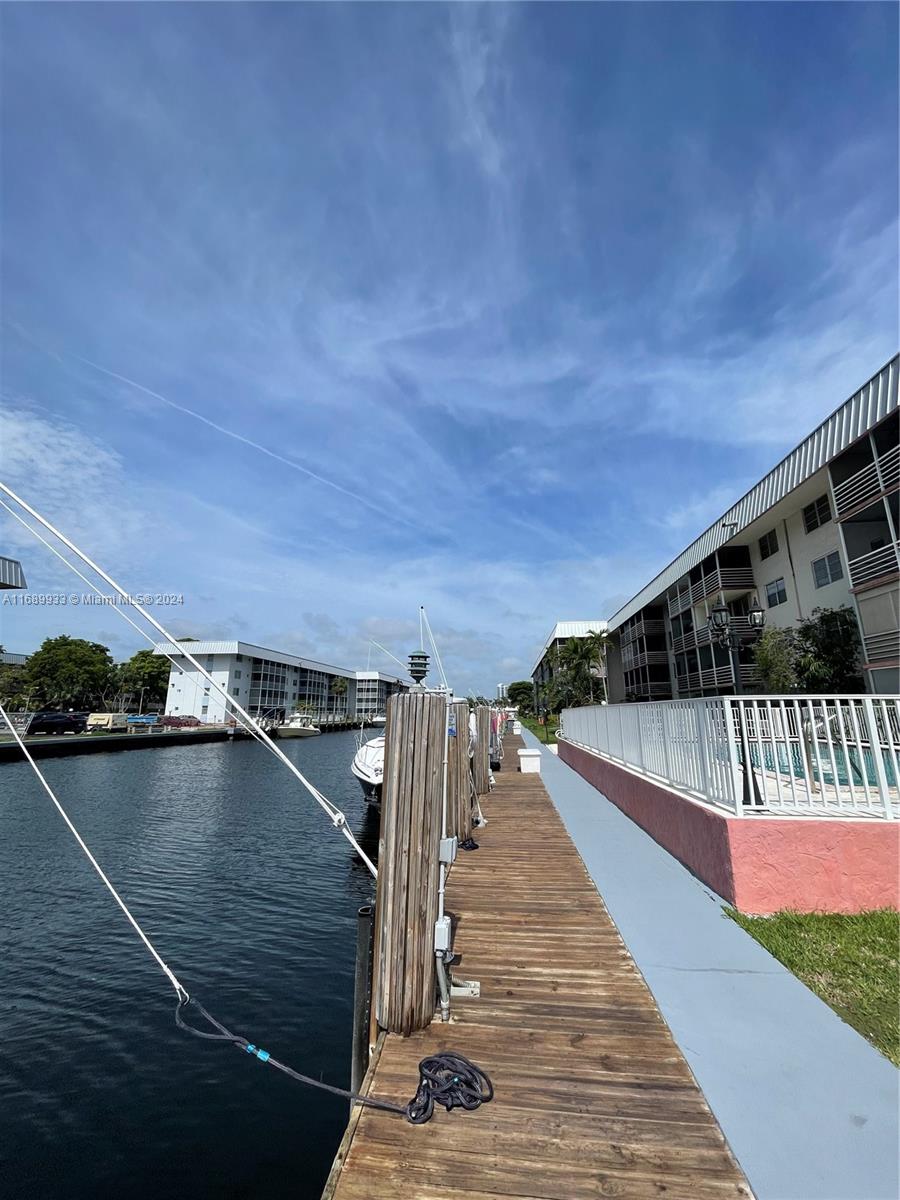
point(57, 722)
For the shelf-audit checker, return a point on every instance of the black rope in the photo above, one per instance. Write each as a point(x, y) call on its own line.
point(448, 1079)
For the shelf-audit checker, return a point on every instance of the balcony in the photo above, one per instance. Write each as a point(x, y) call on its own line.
point(876, 565)
point(643, 658)
point(876, 479)
point(740, 625)
point(648, 691)
point(723, 579)
point(679, 602)
point(684, 641)
point(646, 627)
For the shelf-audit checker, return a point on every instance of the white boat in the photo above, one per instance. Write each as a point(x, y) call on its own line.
point(379, 719)
point(298, 725)
point(368, 767)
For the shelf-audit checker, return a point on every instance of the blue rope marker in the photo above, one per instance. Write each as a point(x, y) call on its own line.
point(449, 1079)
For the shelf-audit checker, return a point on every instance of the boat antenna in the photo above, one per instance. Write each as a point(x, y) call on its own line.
point(334, 813)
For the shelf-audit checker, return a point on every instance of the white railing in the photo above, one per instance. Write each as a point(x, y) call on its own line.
point(799, 755)
point(868, 567)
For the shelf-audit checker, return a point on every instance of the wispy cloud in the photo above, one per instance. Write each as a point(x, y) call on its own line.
point(380, 306)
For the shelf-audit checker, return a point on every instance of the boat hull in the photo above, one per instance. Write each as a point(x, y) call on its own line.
point(285, 731)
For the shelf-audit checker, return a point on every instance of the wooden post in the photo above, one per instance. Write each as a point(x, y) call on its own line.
point(459, 789)
point(481, 764)
point(406, 901)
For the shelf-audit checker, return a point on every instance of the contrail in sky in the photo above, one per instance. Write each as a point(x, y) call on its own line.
point(239, 437)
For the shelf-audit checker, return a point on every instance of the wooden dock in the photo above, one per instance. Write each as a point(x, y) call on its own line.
point(592, 1096)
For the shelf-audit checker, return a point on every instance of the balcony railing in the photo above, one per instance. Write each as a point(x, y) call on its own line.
point(644, 628)
point(827, 756)
point(740, 625)
point(723, 579)
point(868, 484)
point(868, 568)
point(882, 645)
point(643, 658)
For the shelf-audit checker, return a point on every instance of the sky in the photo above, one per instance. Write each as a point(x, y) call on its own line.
point(313, 314)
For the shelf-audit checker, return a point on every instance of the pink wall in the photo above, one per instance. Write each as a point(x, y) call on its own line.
point(759, 864)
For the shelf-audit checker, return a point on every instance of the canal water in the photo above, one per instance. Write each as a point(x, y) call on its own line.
point(251, 896)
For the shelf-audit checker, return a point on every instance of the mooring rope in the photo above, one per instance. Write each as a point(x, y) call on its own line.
point(449, 1079)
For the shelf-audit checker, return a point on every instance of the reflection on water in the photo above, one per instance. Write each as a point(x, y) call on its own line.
point(251, 896)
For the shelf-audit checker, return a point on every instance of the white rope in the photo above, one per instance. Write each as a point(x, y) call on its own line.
point(180, 991)
point(437, 656)
point(385, 650)
point(334, 813)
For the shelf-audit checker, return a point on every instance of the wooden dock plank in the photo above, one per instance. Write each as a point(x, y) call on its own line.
point(593, 1098)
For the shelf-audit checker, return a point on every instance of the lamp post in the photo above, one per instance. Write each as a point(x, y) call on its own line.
point(724, 634)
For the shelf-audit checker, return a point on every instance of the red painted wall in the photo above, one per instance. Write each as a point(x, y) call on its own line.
point(759, 864)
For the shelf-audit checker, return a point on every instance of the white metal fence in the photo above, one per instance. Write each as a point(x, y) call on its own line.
point(809, 755)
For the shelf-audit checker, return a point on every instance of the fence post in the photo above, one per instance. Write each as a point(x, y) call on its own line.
point(877, 759)
point(482, 748)
point(736, 784)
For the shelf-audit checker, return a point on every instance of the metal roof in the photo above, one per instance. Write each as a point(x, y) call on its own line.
point(569, 629)
point(11, 574)
point(865, 409)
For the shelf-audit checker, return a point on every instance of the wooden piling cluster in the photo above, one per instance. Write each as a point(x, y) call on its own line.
point(406, 903)
point(459, 775)
point(481, 763)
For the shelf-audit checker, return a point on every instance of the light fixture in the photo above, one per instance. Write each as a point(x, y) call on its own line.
point(418, 665)
point(720, 618)
point(756, 616)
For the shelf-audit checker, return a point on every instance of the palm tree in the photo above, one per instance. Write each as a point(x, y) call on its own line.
point(338, 687)
point(585, 658)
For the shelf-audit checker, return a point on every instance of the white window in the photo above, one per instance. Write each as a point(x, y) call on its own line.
point(816, 514)
point(827, 570)
point(237, 674)
point(776, 593)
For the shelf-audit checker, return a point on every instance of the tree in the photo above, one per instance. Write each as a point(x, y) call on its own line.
point(338, 688)
point(70, 673)
point(521, 694)
point(583, 659)
point(829, 651)
point(821, 654)
point(145, 674)
point(13, 693)
point(775, 655)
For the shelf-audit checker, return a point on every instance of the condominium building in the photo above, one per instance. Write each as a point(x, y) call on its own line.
point(268, 683)
point(818, 531)
point(548, 661)
point(373, 690)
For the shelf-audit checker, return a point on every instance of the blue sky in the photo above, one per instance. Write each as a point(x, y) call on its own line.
point(317, 313)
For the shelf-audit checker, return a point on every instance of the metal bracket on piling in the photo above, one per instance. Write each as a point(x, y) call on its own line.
point(464, 987)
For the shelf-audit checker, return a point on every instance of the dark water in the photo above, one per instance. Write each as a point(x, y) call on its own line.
point(251, 897)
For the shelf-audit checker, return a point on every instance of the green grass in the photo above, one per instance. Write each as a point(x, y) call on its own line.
point(546, 733)
point(851, 961)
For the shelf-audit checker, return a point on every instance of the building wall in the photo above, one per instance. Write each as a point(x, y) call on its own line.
point(275, 685)
point(870, 465)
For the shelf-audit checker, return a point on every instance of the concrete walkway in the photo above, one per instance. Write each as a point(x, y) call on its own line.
point(809, 1107)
